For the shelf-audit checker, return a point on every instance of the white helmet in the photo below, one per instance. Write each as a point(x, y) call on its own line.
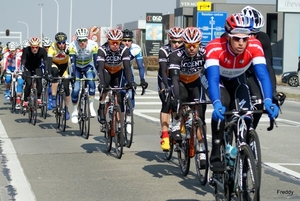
point(19, 46)
point(191, 35)
point(114, 34)
point(175, 32)
point(12, 46)
point(81, 33)
point(25, 43)
point(46, 42)
point(257, 17)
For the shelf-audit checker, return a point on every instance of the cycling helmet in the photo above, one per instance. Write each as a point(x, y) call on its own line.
point(114, 34)
point(12, 46)
point(238, 23)
point(61, 37)
point(257, 17)
point(82, 33)
point(46, 42)
point(34, 41)
point(175, 32)
point(127, 33)
point(18, 45)
point(25, 43)
point(191, 35)
point(7, 44)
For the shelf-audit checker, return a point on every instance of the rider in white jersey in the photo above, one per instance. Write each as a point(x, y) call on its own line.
point(83, 54)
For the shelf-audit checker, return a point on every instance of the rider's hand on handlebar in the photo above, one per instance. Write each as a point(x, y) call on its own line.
point(219, 111)
point(144, 84)
point(271, 108)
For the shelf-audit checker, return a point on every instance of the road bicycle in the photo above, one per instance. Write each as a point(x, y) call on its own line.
point(113, 128)
point(194, 141)
point(60, 110)
point(13, 94)
point(84, 113)
point(241, 176)
point(32, 102)
point(44, 98)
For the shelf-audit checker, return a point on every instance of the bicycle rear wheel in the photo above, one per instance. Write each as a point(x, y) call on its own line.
point(184, 156)
point(201, 152)
point(248, 185)
point(128, 125)
point(118, 131)
point(86, 117)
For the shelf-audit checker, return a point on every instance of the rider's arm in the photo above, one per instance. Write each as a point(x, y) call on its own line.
point(72, 54)
point(162, 61)
point(137, 52)
point(100, 63)
point(95, 53)
point(264, 77)
point(126, 64)
point(5, 60)
point(50, 54)
point(213, 78)
point(266, 44)
point(174, 71)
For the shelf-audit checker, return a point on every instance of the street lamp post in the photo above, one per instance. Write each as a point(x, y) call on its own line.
point(111, 10)
point(41, 5)
point(71, 8)
point(57, 16)
point(27, 27)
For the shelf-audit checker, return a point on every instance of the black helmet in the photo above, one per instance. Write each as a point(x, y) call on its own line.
point(7, 44)
point(61, 37)
point(127, 33)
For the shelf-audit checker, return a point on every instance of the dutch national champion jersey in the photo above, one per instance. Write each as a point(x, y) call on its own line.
point(190, 67)
point(84, 57)
point(230, 65)
point(113, 61)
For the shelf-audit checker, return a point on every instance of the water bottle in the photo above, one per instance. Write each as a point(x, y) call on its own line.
point(110, 111)
point(231, 153)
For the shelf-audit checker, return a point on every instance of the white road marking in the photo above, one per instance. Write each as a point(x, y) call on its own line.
point(18, 179)
point(278, 166)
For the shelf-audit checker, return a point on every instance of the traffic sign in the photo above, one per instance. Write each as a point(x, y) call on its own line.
point(211, 24)
point(203, 6)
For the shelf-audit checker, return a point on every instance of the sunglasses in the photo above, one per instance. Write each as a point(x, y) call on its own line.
point(239, 38)
point(194, 45)
point(34, 47)
point(82, 40)
point(62, 43)
point(46, 47)
point(114, 42)
point(126, 40)
point(176, 41)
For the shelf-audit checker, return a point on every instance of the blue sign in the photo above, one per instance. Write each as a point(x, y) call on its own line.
point(211, 24)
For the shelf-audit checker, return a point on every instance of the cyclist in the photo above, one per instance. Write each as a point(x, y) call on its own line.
point(83, 54)
point(112, 57)
point(58, 58)
point(25, 43)
point(227, 60)
point(32, 58)
point(11, 63)
point(46, 42)
point(164, 82)
point(135, 53)
point(264, 39)
point(185, 67)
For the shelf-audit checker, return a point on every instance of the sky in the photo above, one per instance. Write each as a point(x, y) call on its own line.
point(86, 13)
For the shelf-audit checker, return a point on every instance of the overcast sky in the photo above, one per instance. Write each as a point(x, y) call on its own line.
point(86, 13)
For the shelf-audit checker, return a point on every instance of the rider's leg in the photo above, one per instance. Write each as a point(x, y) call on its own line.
point(74, 97)
point(55, 73)
point(92, 87)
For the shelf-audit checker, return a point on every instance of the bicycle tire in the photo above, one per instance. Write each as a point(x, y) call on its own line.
point(168, 154)
point(57, 111)
point(105, 128)
point(128, 113)
point(45, 101)
point(118, 130)
point(247, 162)
point(13, 96)
point(184, 156)
point(80, 114)
point(62, 112)
point(33, 107)
point(201, 172)
point(255, 147)
point(86, 117)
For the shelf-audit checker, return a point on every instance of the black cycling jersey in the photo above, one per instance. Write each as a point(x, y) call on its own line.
point(163, 60)
point(33, 61)
point(113, 61)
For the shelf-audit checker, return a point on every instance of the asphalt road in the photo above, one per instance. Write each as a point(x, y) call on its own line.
point(44, 164)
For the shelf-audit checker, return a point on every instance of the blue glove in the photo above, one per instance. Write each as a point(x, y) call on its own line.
point(271, 108)
point(219, 111)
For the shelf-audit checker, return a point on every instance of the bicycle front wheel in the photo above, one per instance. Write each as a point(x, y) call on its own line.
point(118, 131)
point(62, 112)
point(13, 97)
point(44, 99)
point(201, 151)
point(255, 147)
point(248, 185)
point(183, 154)
point(86, 118)
point(57, 111)
point(33, 107)
point(128, 122)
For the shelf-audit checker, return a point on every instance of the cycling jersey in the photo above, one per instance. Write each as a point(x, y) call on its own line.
point(136, 53)
point(84, 57)
point(113, 61)
point(58, 56)
point(220, 61)
point(190, 67)
point(163, 61)
point(33, 61)
point(11, 60)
